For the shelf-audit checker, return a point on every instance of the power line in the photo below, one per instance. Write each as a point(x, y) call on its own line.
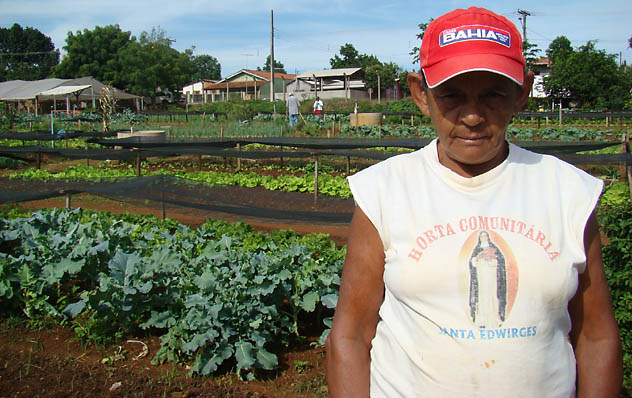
point(29, 53)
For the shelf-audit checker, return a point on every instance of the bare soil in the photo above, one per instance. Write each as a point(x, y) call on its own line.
point(52, 362)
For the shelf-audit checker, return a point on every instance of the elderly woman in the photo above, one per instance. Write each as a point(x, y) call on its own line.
point(470, 227)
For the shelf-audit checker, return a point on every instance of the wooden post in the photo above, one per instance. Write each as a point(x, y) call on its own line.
point(162, 204)
point(560, 114)
point(138, 164)
point(315, 178)
point(238, 159)
point(68, 201)
point(281, 149)
point(625, 148)
point(39, 159)
point(348, 165)
point(412, 120)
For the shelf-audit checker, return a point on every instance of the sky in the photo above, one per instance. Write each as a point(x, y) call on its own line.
point(307, 34)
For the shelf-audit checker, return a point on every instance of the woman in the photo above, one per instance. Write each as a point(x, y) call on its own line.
point(403, 325)
point(488, 283)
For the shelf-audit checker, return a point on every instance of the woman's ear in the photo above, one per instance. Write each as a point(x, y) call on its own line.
point(525, 91)
point(418, 92)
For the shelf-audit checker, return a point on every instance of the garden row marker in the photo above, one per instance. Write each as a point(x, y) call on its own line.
point(315, 178)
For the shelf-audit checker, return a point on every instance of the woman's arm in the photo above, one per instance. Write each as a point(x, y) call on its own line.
point(361, 294)
point(594, 334)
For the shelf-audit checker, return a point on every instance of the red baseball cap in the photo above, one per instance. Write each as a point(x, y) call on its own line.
point(469, 40)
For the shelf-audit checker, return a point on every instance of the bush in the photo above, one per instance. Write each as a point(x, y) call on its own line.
point(616, 221)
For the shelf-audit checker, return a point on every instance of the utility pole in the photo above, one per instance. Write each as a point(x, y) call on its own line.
point(524, 15)
point(272, 61)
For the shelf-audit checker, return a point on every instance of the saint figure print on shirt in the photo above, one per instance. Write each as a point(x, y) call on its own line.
point(488, 283)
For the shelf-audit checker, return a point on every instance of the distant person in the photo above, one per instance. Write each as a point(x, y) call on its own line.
point(292, 105)
point(318, 107)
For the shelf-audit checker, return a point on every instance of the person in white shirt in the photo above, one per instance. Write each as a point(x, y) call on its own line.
point(473, 266)
point(318, 107)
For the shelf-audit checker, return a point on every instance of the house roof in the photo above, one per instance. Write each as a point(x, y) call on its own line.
point(231, 85)
point(323, 73)
point(259, 74)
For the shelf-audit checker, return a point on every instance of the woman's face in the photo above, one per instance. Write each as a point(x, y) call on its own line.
point(470, 113)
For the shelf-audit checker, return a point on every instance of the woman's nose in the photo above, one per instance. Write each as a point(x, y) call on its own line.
point(472, 114)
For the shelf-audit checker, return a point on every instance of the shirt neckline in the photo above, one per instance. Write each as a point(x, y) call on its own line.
point(465, 183)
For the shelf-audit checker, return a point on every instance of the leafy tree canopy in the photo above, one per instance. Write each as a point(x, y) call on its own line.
point(157, 36)
point(140, 66)
point(206, 67)
point(415, 50)
point(350, 58)
point(559, 48)
point(26, 54)
point(387, 72)
point(403, 82)
point(95, 53)
point(590, 78)
point(530, 52)
point(152, 66)
point(278, 66)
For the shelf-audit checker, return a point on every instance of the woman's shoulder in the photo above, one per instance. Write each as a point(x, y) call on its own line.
point(543, 165)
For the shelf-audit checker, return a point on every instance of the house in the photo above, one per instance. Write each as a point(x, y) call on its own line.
point(45, 95)
point(195, 93)
point(542, 68)
point(330, 83)
point(247, 84)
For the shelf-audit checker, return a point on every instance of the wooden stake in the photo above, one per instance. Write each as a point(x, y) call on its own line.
point(315, 178)
point(162, 203)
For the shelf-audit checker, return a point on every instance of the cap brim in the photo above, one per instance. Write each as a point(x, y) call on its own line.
point(453, 66)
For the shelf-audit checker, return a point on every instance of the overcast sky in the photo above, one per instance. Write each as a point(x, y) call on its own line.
point(309, 33)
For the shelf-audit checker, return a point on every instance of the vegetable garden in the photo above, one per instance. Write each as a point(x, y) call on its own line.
point(224, 308)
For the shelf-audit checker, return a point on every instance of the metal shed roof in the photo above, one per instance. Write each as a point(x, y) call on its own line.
point(328, 73)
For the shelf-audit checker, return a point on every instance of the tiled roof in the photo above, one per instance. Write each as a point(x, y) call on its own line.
point(266, 75)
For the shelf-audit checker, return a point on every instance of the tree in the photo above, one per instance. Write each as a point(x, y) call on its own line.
point(403, 83)
point(387, 72)
point(157, 36)
point(153, 66)
point(530, 52)
point(95, 53)
point(559, 48)
point(352, 59)
point(590, 78)
point(206, 67)
point(415, 50)
point(26, 54)
point(278, 66)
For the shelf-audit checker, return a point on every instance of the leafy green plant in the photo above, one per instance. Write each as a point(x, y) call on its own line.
point(616, 221)
point(218, 294)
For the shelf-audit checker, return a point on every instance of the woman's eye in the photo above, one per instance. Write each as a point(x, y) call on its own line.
point(495, 94)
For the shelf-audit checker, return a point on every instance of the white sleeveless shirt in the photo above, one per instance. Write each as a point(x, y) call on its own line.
point(478, 274)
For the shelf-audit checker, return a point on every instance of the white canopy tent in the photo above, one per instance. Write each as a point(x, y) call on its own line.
point(61, 90)
point(83, 88)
